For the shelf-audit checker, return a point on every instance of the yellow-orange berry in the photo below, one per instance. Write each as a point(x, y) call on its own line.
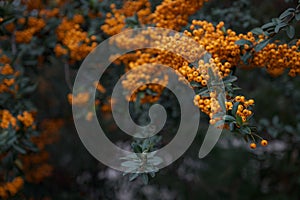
point(264, 143)
point(252, 145)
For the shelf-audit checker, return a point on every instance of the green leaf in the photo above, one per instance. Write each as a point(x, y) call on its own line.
point(3, 134)
point(8, 20)
point(243, 42)
point(246, 56)
point(239, 120)
point(231, 126)
point(245, 130)
point(206, 57)
point(133, 176)
point(19, 149)
point(280, 26)
point(211, 73)
point(268, 25)
point(203, 91)
point(152, 174)
point(132, 21)
point(218, 123)
point(146, 144)
point(195, 84)
point(290, 31)
point(221, 100)
point(257, 31)
point(286, 13)
point(218, 115)
point(234, 108)
point(145, 179)
point(297, 16)
point(229, 118)
point(261, 45)
point(29, 89)
point(276, 21)
point(30, 145)
point(136, 148)
point(229, 79)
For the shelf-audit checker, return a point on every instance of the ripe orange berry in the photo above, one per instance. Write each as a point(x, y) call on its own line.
point(252, 145)
point(251, 101)
point(238, 98)
point(264, 143)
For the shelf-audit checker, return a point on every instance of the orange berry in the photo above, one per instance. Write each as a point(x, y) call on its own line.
point(238, 98)
point(264, 143)
point(251, 101)
point(252, 145)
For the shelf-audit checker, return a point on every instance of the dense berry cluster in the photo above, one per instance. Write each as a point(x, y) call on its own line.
point(73, 41)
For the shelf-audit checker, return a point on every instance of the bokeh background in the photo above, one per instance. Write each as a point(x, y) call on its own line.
point(231, 171)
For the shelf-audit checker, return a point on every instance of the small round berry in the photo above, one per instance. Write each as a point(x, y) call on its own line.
point(252, 145)
point(264, 143)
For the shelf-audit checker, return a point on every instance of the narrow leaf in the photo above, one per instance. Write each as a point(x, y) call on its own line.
point(290, 31)
point(229, 118)
point(133, 176)
point(261, 45)
point(268, 25)
point(297, 16)
point(243, 42)
point(245, 130)
point(257, 31)
point(221, 100)
point(286, 13)
point(229, 79)
point(234, 108)
point(145, 179)
point(239, 120)
point(280, 26)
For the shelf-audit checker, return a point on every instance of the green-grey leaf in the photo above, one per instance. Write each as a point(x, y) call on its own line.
point(268, 25)
point(286, 13)
point(257, 31)
point(19, 149)
point(133, 176)
point(221, 100)
point(231, 126)
point(234, 108)
point(297, 16)
point(290, 31)
point(145, 179)
point(239, 120)
point(243, 42)
point(206, 57)
point(246, 56)
point(155, 160)
point(211, 73)
point(261, 45)
point(203, 91)
point(229, 118)
point(229, 79)
point(245, 130)
point(195, 84)
point(129, 164)
point(152, 174)
point(280, 26)
point(219, 123)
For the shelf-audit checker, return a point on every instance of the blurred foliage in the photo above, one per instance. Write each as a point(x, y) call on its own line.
point(41, 64)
